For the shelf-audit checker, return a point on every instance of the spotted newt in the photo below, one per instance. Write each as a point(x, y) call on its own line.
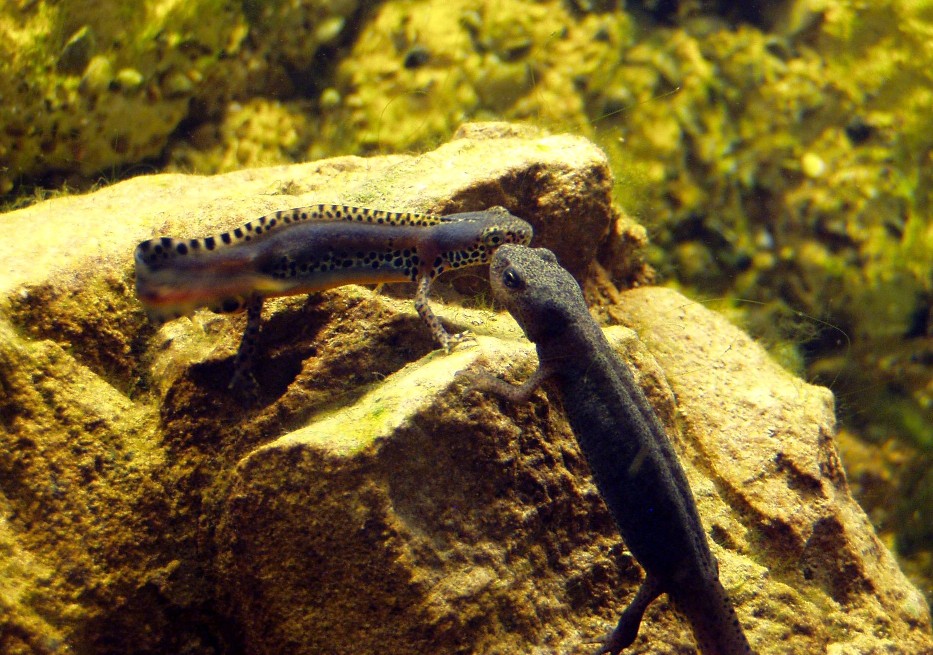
point(632, 460)
point(310, 249)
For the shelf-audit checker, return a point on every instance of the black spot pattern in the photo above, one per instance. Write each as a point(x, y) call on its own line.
point(159, 250)
point(231, 304)
point(405, 261)
point(477, 254)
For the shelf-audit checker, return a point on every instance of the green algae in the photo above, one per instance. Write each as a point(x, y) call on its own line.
point(477, 61)
point(377, 414)
point(69, 117)
point(66, 113)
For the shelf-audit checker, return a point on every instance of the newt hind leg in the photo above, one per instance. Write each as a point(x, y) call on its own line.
point(243, 380)
point(627, 628)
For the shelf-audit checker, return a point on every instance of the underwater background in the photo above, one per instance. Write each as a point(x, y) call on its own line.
point(780, 153)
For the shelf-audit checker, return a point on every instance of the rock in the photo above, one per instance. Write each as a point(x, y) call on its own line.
point(370, 503)
point(129, 80)
point(97, 78)
point(425, 516)
point(102, 490)
point(775, 458)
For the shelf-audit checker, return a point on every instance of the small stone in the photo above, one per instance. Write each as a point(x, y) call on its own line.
point(417, 57)
point(330, 98)
point(859, 131)
point(129, 79)
point(77, 52)
point(329, 29)
point(177, 85)
point(516, 50)
point(97, 76)
point(812, 165)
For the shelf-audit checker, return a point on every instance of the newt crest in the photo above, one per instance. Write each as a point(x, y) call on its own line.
point(162, 249)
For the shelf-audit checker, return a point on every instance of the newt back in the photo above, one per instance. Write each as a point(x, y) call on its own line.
point(176, 276)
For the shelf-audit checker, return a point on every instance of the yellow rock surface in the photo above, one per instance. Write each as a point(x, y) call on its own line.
point(370, 503)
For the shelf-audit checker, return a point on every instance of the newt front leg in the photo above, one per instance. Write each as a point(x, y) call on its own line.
point(243, 378)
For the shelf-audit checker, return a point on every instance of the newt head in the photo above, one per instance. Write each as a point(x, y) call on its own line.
point(487, 229)
point(540, 294)
point(470, 238)
point(505, 228)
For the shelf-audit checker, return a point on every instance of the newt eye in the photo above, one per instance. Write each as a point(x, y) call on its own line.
point(512, 280)
point(492, 236)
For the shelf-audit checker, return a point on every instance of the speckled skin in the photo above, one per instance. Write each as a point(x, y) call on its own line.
point(309, 249)
point(632, 460)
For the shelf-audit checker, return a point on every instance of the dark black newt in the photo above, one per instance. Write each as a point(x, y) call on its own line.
point(632, 460)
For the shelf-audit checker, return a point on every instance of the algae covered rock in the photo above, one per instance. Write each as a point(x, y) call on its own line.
point(69, 104)
point(105, 478)
point(463, 525)
point(370, 502)
point(787, 165)
point(418, 69)
point(90, 88)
